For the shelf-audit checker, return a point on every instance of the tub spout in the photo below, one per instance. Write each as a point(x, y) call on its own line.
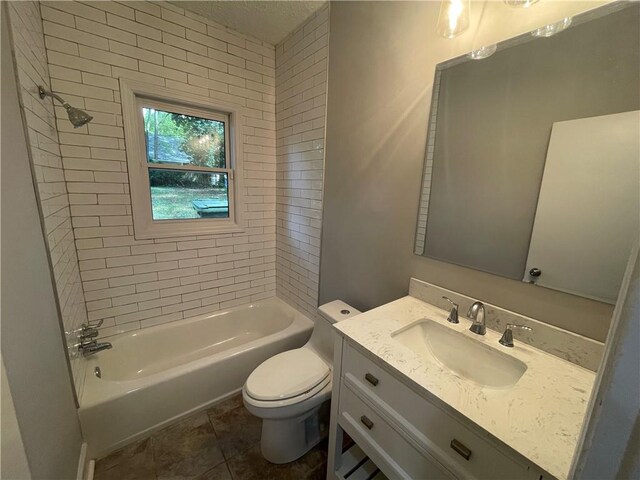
point(94, 347)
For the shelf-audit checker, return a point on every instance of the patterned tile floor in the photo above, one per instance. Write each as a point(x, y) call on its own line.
point(222, 443)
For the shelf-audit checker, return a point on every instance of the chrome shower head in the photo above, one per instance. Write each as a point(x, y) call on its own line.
point(77, 117)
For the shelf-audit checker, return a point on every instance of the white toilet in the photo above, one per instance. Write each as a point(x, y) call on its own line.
point(288, 390)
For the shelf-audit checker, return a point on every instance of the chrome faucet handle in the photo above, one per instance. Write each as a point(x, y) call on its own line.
point(87, 333)
point(453, 314)
point(507, 336)
point(87, 329)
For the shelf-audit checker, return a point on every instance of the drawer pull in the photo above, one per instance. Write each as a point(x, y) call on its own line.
point(366, 422)
point(463, 451)
point(371, 379)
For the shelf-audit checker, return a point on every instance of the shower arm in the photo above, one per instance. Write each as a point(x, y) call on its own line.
point(77, 117)
point(43, 93)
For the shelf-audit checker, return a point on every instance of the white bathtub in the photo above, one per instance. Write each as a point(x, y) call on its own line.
point(153, 376)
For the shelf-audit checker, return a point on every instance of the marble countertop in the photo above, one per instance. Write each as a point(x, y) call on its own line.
point(539, 417)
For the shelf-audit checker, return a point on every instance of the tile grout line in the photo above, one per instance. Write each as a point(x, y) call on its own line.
point(153, 457)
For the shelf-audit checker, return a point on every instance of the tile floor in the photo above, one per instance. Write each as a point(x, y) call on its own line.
point(222, 443)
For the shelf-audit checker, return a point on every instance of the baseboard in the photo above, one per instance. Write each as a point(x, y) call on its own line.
point(82, 461)
point(90, 470)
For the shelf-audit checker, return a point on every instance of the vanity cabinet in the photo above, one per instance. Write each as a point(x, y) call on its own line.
point(405, 433)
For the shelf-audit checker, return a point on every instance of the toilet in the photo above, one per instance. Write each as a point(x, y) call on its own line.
point(289, 391)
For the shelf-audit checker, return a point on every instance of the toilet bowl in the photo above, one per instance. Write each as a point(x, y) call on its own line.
point(290, 391)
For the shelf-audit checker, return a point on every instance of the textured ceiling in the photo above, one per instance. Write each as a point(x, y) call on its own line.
point(270, 21)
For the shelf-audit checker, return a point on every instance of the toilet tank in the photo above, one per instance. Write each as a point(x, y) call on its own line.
point(321, 339)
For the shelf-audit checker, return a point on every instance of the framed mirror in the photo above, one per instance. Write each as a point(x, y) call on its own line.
point(532, 168)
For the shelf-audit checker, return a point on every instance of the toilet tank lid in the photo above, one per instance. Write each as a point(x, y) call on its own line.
point(337, 311)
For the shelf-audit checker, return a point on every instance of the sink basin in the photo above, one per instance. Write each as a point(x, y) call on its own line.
point(462, 355)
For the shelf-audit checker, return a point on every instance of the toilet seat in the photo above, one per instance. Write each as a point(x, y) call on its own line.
point(291, 374)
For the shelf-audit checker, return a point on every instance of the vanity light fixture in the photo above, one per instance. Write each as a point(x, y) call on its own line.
point(520, 3)
point(483, 52)
point(552, 28)
point(453, 18)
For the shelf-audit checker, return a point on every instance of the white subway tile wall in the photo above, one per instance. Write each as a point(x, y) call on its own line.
point(130, 283)
point(301, 91)
point(425, 194)
point(31, 60)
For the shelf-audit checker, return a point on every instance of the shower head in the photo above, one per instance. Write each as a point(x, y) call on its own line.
point(77, 117)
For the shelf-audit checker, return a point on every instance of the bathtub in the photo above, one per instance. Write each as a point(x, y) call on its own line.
point(156, 375)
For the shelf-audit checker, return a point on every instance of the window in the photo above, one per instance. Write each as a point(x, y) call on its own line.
point(186, 163)
point(183, 163)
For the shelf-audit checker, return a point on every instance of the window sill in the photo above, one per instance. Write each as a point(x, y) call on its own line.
point(184, 228)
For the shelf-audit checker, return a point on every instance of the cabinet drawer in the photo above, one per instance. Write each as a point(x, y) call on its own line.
point(461, 450)
point(396, 457)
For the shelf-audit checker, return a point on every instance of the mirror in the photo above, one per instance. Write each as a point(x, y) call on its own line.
point(532, 169)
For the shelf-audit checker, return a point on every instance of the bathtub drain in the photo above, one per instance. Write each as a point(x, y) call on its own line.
point(97, 372)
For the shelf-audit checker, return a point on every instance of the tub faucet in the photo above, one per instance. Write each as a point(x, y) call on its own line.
point(92, 347)
point(476, 313)
point(87, 334)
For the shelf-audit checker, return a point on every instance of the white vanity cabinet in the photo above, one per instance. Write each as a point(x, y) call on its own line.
point(406, 434)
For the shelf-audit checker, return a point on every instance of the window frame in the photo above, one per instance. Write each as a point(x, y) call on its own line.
point(135, 96)
point(143, 102)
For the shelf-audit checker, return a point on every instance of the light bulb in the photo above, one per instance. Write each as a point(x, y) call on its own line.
point(483, 52)
point(520, 3)
point(552, 28)
point(453, 18)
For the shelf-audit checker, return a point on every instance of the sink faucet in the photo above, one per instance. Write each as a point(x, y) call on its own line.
point(476, 313)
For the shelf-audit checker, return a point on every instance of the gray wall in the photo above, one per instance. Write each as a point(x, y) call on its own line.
point(32, 348)
point(382, 57)
point(494, 124)
point(13, 457)
point(612, 429)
